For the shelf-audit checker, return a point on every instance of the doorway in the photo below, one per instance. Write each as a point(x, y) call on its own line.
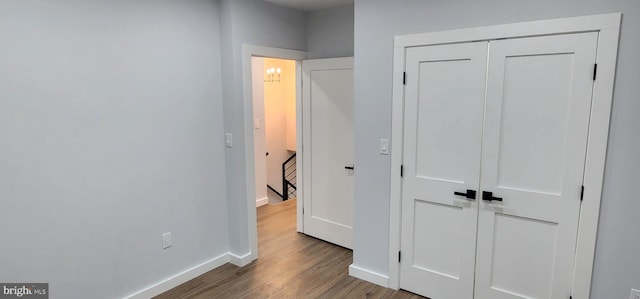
point(320, 72)
point(326, 126)
point(248, 52)
point(274, 124)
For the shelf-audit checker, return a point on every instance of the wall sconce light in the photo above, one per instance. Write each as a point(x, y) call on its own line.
point(271, 75)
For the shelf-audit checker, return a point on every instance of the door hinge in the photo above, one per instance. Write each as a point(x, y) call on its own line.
point(595, 71)
point(570, 297)
point(404, 78)
point(399, 256)
point(402, 170)
point(582, 193)
point(302, 210)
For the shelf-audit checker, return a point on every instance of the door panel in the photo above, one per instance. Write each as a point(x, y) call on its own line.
point(432, 256)
point(440, 150)
point(443, 129)
point(533, 150)
point(328, 148)
point(534, 122)
point(512, 254)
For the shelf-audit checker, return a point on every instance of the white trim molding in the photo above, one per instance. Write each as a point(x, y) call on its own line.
point(180, 278)
point(240, 260)
point(608, 28)
point(262, 201)
point(249, 51)
point(370, 276)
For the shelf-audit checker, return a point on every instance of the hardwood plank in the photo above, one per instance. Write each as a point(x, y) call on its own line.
point(291, 265)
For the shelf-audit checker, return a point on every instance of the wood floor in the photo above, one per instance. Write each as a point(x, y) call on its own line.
point(290, 265)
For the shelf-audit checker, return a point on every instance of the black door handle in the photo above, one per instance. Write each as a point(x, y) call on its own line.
point(471, 194)
point(488, 196)
point(349, 167)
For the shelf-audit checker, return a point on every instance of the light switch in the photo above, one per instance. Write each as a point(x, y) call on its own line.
point(166, 240)
point(256, 123)
point(384, 146)
point(228, 140)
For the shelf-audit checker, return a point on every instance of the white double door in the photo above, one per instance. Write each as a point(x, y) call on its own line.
point(508, 117)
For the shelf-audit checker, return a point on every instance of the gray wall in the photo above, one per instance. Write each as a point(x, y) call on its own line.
point(617, 266)
point(258, 23)
point(111, 133)
point(330, 33)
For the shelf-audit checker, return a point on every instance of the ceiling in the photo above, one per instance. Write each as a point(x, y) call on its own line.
point(311, 5)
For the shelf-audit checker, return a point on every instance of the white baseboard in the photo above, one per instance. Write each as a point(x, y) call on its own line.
point(370, 276)
point(262, 201)
point(181, 278)
point(240, 261)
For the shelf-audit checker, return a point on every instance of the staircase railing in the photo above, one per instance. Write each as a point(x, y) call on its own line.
point(289, 177)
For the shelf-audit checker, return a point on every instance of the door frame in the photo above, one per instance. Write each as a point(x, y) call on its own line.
point(249, 51)
point(608, 28)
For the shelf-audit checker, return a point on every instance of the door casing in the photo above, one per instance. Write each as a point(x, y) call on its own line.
point(608, 28)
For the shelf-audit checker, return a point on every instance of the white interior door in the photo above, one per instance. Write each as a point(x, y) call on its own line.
point(444, 98)
point(535, 136)
point(328, 149)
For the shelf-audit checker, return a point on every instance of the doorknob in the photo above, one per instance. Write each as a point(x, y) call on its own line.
point(488, 196)
point(349, 167)
point(470, 194)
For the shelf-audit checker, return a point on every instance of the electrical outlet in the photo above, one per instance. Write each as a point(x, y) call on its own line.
point(166, 240)
point(635, 294)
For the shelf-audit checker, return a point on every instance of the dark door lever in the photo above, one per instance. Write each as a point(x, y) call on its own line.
point(488, 196)
point(349, 167)
point(471, 194)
